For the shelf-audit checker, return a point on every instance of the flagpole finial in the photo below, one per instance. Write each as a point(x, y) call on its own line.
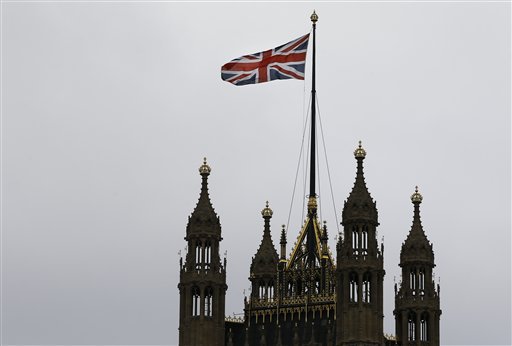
point(314, 17)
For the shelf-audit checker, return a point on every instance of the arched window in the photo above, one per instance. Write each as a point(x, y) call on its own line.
point(365, 241)
point(270, 291)
point(366, 287)
point(208, 302)
point(424, 327)
point(261, 289)
point(208, 254)
point(412, 280)
point(199, 250)
point(196, 296)
point(421, 281)
point(411, 326)
point(353, 282)
point(355, 240)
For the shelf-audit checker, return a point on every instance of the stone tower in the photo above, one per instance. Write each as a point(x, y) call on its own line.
point(417, 309)
point(264, 263)
point(202, 284)
point(263, 277)
point(359, 273)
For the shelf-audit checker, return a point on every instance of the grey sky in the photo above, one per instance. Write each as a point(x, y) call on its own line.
point(109, 108)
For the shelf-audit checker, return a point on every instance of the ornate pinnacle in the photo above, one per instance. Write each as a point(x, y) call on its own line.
point(204, 169)
point(416, 197)
point(267, 212)
point(360, 152)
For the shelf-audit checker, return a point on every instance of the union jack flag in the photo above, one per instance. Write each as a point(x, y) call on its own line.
point(284, 62)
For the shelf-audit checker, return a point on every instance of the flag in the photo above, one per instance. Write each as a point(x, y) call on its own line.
point(284, 62)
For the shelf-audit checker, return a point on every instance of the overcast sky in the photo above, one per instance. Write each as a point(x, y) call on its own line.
point(109, 107)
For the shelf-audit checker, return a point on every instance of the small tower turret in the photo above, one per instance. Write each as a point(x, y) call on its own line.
point(202, 277)
point(264, 263)
point(359, 273)
point(417, 310)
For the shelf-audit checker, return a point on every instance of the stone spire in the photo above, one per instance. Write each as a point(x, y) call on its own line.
point(417, 306)
point(202, 283)
point(203, 218)
point(360, 268)
point(360, 205)
point(416, 247)
point(282, 242)
point(266, 258)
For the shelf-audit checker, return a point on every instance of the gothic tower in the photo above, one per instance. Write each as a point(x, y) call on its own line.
point(202, 284)
point(359, 273)
point(417, 309)
point(263, 277)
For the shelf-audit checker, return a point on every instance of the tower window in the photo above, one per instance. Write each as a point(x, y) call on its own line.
point(261, 290)
point(424, 327)
point(271, 291)
point(196, 296)
point(199, 249)
point(411, 327)
point(366, 287)
point(355, 240)
point(412, 280)
point(421, 283)
point(208, 254)
point(208, 302)
point(365, 241)
point(353, 287)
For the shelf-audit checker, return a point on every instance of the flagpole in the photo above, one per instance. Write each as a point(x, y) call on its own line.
point(312, 192)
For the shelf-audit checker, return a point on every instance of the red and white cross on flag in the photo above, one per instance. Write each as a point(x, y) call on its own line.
point(287, 61)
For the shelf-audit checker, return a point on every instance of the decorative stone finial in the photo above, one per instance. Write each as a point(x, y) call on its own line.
point(267, 212)
point(314, 17)
point(416, 197)
point(360, 152)
point(204, 169)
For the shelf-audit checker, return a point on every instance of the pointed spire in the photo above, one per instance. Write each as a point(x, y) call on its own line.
point(266, 258)
point(360, 204)
point(417, 246)
point(283, 242)
point(324, 238)
point(204, 218)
